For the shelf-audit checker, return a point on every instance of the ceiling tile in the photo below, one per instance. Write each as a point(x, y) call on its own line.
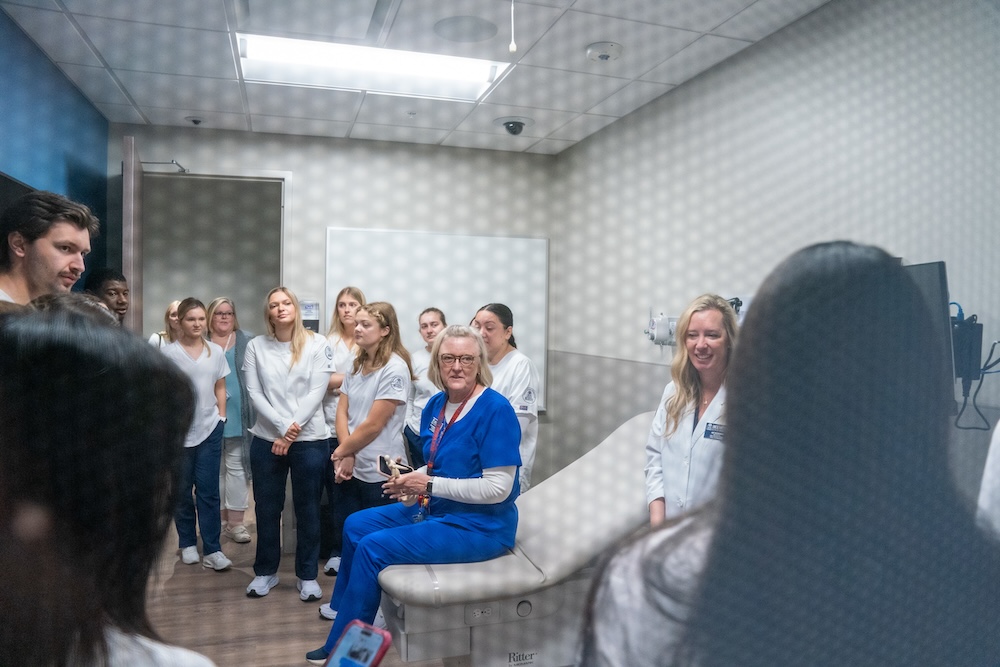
point(182, 92)
point(297, 102)
point(703, 54)
point(96, 83)
point(210, 120)
point(543, 88)
point(207, 14)
point(301, 126)
point(765, 17)
point(550, 146)
point(630, 98)
point(581, 127)
point(40, 4)
point(644, 46)
point(489, 141)
point(54, 34)
point(121, 113)
point(346, 20)
point(145, 47)
point(699, 15)
point(412, 112)
point(413, 135)
point(544, 121)
point(413, 27)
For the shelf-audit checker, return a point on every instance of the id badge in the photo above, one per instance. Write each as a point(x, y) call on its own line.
point(715, 431)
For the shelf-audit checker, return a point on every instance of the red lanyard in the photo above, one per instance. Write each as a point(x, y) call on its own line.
point(439, 430)
point(435, 441)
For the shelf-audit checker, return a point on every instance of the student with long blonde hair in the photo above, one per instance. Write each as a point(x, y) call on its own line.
point(685, 444)
point(171, 327)
point(371, 413)
point(286, 374)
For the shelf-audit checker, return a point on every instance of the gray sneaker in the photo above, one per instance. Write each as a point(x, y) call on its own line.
point(217, 561)
point(262, 585)
point(332, 566)
point(189, 555)
point(309, 590)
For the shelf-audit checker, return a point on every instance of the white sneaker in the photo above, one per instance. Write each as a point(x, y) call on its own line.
point(309, 590)
point(217, 561)
point(189, 555)
point(327, 612)
point(379, 621)
point(262, 585)
point(238, 533)
point(332, 566)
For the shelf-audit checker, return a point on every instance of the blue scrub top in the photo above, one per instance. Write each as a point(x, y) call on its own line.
point(489, 436)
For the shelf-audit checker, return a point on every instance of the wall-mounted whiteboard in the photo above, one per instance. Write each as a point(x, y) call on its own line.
point(456, 273)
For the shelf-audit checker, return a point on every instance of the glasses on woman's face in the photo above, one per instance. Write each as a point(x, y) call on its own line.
point(221, 314)
point(449, 360)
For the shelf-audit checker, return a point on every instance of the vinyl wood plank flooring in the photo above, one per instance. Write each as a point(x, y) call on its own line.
point(209, 611)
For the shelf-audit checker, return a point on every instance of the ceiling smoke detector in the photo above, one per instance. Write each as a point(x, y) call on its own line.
point(603, 52)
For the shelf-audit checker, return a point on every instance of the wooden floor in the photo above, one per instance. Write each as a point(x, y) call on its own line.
point(209, 611)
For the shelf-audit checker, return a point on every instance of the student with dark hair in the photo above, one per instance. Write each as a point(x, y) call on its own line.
point(82, 303)
point(87, 501)
point(341, 337)
point(205, 364)
point(837, 537)
point(111, 287)
point(45, 239)
point(514, 376)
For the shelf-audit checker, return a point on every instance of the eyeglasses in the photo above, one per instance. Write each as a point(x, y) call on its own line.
point(218, 314)
point(449, 359)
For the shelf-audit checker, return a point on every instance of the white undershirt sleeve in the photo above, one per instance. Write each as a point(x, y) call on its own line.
point(493, 487)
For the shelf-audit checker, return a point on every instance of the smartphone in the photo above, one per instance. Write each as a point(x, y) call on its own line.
point(390, 468)
point(361, 645)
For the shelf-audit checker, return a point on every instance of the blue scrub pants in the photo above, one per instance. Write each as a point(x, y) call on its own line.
point(307, 463)
point(381, 536)
point(200, 469)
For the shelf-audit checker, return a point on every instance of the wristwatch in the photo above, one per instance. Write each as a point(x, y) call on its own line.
point(430, 487)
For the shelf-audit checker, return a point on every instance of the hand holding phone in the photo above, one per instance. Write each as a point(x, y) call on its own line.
point(361, 645)
point(391, 468)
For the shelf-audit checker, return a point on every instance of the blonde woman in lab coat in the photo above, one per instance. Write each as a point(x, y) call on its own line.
point(685, 444)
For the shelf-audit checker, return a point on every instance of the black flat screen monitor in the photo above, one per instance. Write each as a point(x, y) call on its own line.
point(932, 279)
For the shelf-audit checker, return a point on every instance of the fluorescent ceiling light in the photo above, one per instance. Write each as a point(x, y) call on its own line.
point(344, 66)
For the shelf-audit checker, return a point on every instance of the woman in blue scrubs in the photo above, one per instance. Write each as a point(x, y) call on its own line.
point(459, 508)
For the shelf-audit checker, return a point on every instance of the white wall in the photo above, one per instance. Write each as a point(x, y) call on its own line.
point(870, 120)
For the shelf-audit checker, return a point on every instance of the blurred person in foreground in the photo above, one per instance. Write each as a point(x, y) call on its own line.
point(837, 537)
point(85, 501)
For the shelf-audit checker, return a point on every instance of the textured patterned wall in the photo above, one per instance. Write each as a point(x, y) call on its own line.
point(870, 120)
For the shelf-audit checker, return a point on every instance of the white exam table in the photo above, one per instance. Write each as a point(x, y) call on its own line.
point(525, 607)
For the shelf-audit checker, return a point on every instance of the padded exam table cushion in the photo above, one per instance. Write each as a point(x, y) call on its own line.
point(564, 523)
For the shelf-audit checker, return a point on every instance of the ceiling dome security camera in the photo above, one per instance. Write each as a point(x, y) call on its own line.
point(514, 127)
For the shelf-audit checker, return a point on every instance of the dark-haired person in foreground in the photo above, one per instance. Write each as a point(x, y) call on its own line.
point(45, 237)
point(837, 537)
point(86, 501)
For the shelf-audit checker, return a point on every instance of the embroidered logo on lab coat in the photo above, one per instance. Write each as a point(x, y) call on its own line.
point(396, 383)
point(715, 431)
point(529, 396)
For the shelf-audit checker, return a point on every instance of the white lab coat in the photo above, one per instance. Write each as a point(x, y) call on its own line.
point(683, 468)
